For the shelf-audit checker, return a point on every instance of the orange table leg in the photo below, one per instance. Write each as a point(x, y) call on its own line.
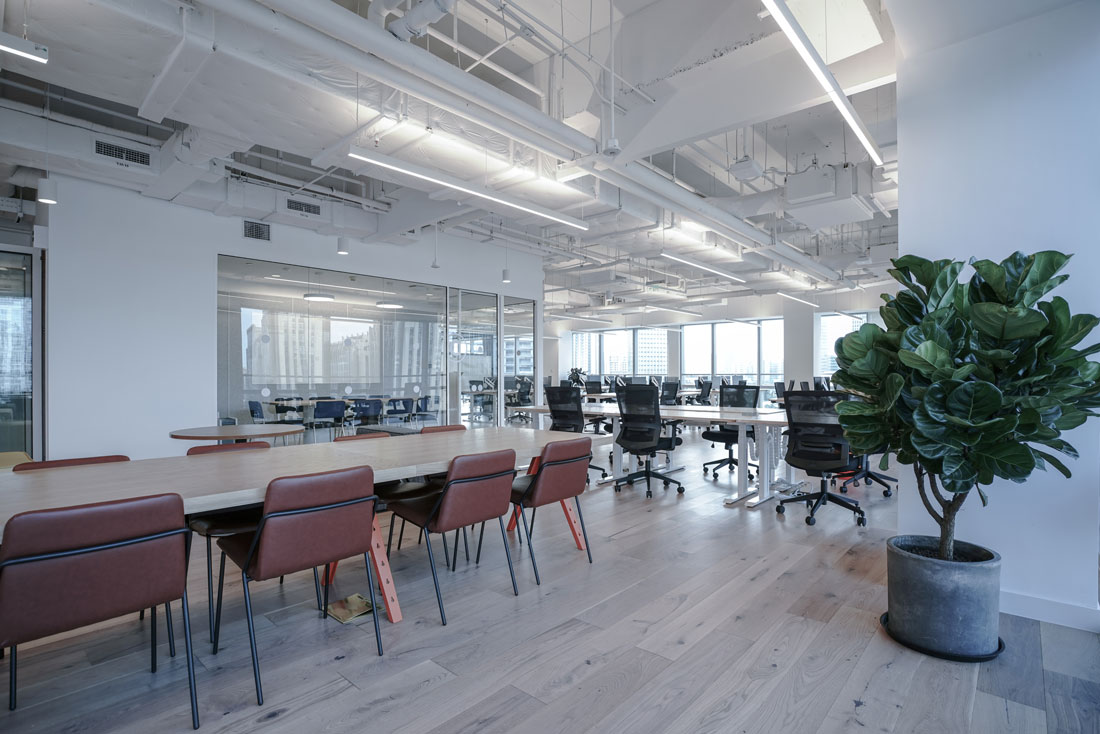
point(574, 523)
point(383, 576)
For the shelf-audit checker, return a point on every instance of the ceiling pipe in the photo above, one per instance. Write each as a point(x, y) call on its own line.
point(299, 34)
point(415, 23)
point(344, 25)
point(379, 10)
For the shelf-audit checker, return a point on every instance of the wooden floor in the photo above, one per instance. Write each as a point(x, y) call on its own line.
point(695, 617)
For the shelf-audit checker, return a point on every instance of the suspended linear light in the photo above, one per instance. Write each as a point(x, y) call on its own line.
point(571, 317)
point(388, 305)
point(787, 295)
point(24, 47)
point(676, 310)
point(828, 82)
point(319, 297)
point(708, 268)
point(442, 179)
point(47, 191)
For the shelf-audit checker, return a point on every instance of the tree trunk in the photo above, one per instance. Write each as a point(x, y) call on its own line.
point(948, 507)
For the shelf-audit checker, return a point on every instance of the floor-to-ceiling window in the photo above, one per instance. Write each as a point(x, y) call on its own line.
point(17, 347)
point(618, 352)
point(651, 353)
point(473, 350)
point(586, 352)
point(518, 339)
point(750, 350)
point(697, 353)
point(828, 328)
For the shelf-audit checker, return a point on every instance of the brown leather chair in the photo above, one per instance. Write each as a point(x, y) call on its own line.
point(221, 448)
point(57, 463)
point(360, 436)
point(308, 521)
point(442, 429)
point(562, 473)
point(109, 558)
point(477, 489)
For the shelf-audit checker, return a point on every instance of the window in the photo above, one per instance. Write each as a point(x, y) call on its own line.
point(697, 351)
point(652, 352)
point(736, 348)
point(829, 328)
point(771, 357)
point(618, 352)
point(586, 352)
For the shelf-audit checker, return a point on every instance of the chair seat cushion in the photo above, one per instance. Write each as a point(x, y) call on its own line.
point(237, 547)
point(395, 491)
point(222, 524)
point(416, 510)
point(520, 485)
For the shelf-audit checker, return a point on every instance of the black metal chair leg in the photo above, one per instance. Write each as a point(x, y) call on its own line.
point(153, 639)
point(218, 610)
point(446, 551)
point(171, 632)
point(317, 588)
point(530, 546)
point(210, 585)
point(252, 640)
point(141, 614)
point(435, 577)
point(373, 603)
point(532, 524)
point(454, 561)
point(401, 535)
point(480, 537)
point(508, 555)
point(584, 532)
point(190, 662)
point(466, 543)
point(11, 680)
point(389, 540)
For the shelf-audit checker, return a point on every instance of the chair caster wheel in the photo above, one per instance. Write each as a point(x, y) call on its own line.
point(867, 481)
point(750, 476)
point(714, 475)
point(811, 520)
point(603, 475)
point(780, 509)
point(667, 483)
point(861, 521)
point(618, 488)
point(844, 490)
point(832, 482)
point(887, 493)
point(630, 483)
point(679, 490)
point(648, 493)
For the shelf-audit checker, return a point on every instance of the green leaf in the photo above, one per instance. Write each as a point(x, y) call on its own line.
point(974, 401)
point(1006, 459)
point(855, 407)
point(891, 389)
point(1007, 323)
point(1053, 461)
point(992, 274)
point(1041, 271)
point(942, 292)
point(963, 372)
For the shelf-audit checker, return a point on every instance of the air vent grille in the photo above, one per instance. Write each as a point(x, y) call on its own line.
point(303, 206)
point(121, 153)
point(257, 230)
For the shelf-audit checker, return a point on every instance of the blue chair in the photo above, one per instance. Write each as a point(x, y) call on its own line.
point(367, 412)
point(256, 410)
point(424, 410)
point(400, 408)
point(331, 412)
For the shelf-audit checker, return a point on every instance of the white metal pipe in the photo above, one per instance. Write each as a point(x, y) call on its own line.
point(379, 10)
point(423, 14)
point(346, 26)
point(488, 64)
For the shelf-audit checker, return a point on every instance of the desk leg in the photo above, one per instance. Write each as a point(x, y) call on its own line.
point(767, 464)
point(383, 576)
point(616, 455)
point(743, 490)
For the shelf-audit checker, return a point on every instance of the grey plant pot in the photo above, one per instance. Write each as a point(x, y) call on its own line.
point(949, 609)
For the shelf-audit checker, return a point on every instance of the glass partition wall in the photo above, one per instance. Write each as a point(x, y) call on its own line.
point(289, 332)
point(518, 339)
point(472, 337)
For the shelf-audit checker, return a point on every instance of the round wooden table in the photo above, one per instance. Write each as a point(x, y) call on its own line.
point(244, 432)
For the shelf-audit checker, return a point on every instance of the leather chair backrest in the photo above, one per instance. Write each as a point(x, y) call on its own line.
point(443, 429)
point(43, 597)
point(222, 448)
point(295, 542)
point(562, 472)
point(361, 436)
point(56, 463)
point(478, 488)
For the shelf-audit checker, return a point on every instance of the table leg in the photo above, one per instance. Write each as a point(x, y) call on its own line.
point(766, 466)
point(743, 490)
point(616, 455)
point(383, 576)
point(574, 524)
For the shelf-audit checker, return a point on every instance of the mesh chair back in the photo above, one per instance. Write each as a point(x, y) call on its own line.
point(704, 391)
point(780, 388)
point(523, 393)
point(593, 387)
point(670, 391)
point(566, 412)
point(639, 418)
point(820, 384)
point(370, 408)
point(815, 440)
point(256, 411)
point(739, 396)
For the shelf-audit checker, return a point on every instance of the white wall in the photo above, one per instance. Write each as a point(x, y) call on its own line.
point(131, 308)
point(798, 341)
point(998, 135)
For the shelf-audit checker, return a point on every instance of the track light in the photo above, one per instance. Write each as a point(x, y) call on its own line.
point(443, 179)
point(787, 295)
point(23, 47)
point(701, 266)
point(828, 82)
point(47, 191)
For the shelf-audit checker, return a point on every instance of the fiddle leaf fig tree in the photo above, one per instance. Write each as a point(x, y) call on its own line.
point(969, 381)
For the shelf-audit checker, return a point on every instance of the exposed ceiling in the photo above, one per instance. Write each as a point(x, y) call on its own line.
point(240, 106)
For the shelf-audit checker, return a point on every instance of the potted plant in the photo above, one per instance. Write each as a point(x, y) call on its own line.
point(968, 383)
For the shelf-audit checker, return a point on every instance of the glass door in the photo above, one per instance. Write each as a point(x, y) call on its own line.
point(18, 345)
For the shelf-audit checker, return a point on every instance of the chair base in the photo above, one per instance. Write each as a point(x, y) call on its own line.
point(869, 476)
point(647, 474)
point(816, 500)
point(730, 461)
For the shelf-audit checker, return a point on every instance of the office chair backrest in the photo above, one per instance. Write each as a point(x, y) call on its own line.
point(361, 436)
point(255, 410)
point(58, 463)
point(368, 408)
point(620, 380)
point(704, 391)
point(329, 409)
point(819, 384)
point(779, 389)
point(221, 448)
point(443, 429)
point(639, 417)
point(699, 383)
point(723, 381)
point(523, 391)
point(804, 385)
point(566, 413)
point(565, 383)
point(738, 396)
point(593, 387)
point(815, 439)
point(562, 472)
point(670, 391)
point(478, 488)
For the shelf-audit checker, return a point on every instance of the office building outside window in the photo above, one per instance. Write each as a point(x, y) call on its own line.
point(586, 352)
point(829, 328)
point(652, 352)
point(618, 352)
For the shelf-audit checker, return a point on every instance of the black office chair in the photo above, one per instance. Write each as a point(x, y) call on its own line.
point(816, 444)
point(287, 411)
point(593, 387)
point(804, 385)
point(780, 389)
point(521, 399)
point(670, 393)
point(256, 410)
point(640, 434)
point(703, 398)
point(731, 396)
point(821, 384)
point(567, 414)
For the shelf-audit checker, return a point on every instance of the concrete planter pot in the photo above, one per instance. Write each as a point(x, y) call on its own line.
point(949, 609)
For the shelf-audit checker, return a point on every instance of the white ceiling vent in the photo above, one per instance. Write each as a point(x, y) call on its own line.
point(306, 207)
point(123, 155)
point(257, 230)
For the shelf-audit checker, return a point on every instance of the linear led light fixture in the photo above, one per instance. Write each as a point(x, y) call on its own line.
point(805, 49)
point(571, 317)
point(442, 179)
point(787, 295)
point(676, 310)
point(22, 47)
point(319, 297)
point(709, 269)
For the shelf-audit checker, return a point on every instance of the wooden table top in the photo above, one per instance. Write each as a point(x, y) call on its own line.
point(210, 482)
point(239, 432)
point(690, 413)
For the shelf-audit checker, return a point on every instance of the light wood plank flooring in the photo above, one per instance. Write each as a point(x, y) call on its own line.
point(695, 617)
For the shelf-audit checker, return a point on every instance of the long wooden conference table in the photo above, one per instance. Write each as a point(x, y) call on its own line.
point(769, 425)
point(215, 482)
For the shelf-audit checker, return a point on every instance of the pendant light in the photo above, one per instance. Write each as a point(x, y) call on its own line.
point(47, 188)
point(343, 245)
point(435, 258)
point(505, 276)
